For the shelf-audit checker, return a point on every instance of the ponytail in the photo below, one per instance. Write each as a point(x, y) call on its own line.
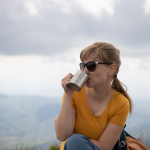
point(116, 84)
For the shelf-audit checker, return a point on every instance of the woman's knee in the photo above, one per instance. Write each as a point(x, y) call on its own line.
point(76, 141)
point(77, 138)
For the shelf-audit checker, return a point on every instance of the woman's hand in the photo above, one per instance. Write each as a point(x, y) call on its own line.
point(64, 83)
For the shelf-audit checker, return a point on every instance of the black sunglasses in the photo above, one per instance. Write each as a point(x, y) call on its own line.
point(91, 65)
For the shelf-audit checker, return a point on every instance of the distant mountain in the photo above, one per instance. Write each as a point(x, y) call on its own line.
point(48, 111)
point(30, 119)
point(27, 120)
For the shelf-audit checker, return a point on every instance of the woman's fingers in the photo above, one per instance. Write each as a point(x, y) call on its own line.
point(65, 81)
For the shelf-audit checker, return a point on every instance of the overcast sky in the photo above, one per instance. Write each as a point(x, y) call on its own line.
point(40, 42)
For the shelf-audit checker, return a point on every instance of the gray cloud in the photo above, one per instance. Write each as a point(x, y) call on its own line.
point(56, 32)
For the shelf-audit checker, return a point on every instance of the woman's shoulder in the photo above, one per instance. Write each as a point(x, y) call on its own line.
point(119, 109)
point(119, 99)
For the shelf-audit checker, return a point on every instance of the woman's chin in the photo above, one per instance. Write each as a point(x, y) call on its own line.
point(88, 85)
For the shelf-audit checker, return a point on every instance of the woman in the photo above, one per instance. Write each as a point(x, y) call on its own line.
point(94, 118)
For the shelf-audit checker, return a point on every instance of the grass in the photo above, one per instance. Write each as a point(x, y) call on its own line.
point(22, 146)
point(53, 146)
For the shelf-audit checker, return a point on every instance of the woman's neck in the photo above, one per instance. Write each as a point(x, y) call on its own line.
point(100, 93)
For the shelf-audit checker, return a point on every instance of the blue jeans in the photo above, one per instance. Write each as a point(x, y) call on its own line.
point(79, 142)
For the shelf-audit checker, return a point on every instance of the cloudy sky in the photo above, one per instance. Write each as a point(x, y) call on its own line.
point(40, 42)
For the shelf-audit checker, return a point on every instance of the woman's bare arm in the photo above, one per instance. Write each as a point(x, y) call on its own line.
point(109, 137)
point(64, 124)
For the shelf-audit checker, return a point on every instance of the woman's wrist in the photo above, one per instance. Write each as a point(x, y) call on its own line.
point(68, 96)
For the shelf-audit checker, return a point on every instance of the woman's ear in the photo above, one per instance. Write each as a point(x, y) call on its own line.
point(112, 69)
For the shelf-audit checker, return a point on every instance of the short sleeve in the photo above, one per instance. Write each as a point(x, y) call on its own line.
point(73, 101)
point(120, 114)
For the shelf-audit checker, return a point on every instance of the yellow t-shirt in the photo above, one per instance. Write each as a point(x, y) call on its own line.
point(92, 126)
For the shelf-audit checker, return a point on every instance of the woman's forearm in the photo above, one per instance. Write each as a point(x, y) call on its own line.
point(64, 123)
point(96, 142)
point(99, 144)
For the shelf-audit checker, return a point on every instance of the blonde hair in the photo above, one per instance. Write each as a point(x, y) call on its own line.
point(110, 54)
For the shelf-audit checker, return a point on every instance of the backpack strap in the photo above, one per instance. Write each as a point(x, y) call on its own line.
point(121, 144)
